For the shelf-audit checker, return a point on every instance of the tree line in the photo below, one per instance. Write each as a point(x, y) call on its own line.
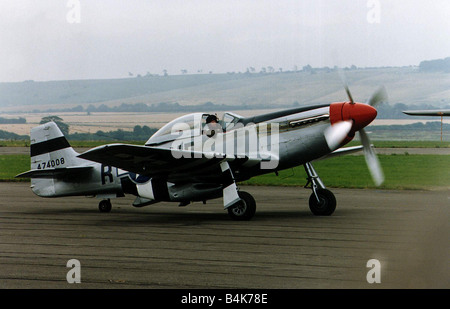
point(139, 133)
point(163, 107)
point(19, 120)
point(417, 126)
point(438, 65)
point(385, 110)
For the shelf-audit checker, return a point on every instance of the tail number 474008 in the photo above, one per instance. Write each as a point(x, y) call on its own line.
point(51, 164)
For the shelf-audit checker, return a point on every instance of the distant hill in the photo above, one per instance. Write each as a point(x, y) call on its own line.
point(31, 93)
point(438, 65)
point(406, 85)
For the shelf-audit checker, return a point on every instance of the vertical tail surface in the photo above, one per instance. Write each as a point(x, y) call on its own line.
point(50, 149)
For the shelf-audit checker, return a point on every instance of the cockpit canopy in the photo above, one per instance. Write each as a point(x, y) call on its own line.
point(189, 125)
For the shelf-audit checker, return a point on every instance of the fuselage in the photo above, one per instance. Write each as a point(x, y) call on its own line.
point(251, 146)
point(264, 143)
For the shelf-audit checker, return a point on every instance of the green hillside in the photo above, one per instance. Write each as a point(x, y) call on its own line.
point(407, 85)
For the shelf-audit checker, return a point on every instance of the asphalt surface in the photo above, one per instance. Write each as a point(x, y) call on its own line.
point(284, 246)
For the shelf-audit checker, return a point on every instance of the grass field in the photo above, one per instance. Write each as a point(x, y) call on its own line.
point(11, 165)
point(401, 172)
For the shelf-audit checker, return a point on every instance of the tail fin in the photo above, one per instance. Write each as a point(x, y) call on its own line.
point(51, 154)
point(57, 171)
point(50, 149)
point(52, 158)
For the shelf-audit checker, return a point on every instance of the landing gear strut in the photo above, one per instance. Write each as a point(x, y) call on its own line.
point(322, 201)
point(105, 206)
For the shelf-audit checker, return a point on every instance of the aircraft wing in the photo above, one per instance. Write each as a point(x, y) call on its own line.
point(341, 152)
point(435, 112)
point(54, 172)
point(152, 161)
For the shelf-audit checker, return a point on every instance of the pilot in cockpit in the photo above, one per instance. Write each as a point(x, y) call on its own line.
point(212, 125)
point(212, 119)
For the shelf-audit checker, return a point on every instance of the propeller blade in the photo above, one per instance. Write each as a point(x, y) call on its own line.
point(380, 95)
point(371, 159)
point(349, 94)
point(335, 134)
point(347, 89)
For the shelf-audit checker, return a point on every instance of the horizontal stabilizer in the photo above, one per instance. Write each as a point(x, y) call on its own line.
point(54, 172)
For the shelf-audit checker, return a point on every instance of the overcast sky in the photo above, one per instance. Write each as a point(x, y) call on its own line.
point(84, 39)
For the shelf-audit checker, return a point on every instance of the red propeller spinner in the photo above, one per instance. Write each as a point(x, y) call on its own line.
point(361, 114)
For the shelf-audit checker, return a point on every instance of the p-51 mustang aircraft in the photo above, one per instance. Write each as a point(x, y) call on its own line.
point(198, 157)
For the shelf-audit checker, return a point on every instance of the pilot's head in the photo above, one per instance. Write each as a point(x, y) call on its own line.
point(212, 125)
point(212, 119)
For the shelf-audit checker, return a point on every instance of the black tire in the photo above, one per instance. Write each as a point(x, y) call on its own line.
point(327, 204)
point(244, 209)
point(105, 206)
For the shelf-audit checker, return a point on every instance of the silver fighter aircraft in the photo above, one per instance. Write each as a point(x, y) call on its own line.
point(199, 157)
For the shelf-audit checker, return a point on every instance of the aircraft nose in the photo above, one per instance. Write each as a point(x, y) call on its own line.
point(361, 114)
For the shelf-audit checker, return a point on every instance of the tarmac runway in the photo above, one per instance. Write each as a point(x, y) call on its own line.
point(284, 246)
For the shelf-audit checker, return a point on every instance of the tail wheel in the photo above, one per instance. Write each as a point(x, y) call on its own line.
point(244, 209)
point(105, 206)
point(326, 204)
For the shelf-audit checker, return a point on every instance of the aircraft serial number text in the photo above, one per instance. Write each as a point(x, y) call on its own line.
point(51, 164)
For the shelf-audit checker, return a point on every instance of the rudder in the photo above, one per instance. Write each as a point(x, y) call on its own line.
point(50, 154)
point(50, 149)
point(56, 169)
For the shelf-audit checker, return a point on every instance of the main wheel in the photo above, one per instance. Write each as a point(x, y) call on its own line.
point(326, 204)
point(105, 206)
point(244, 209)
